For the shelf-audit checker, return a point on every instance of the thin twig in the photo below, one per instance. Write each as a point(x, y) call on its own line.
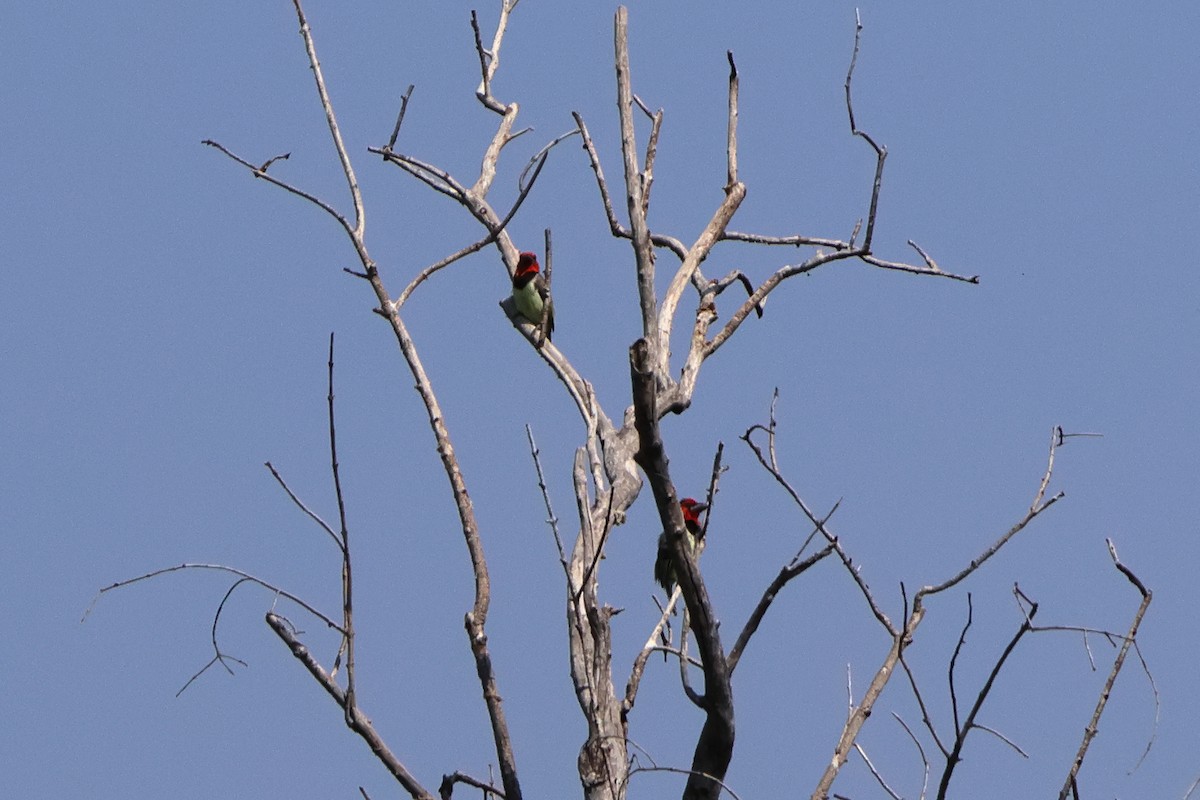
point(300, 504)
point(435, 178)
point(1040, 503)
point(724, 787)
point(218, 656)
point(599, 553)
point(539, 158)
point(551, 518)
point(960, 736)
point(962, 638)
point(287, 187)
point(920, 750)
point(351, 706)
point(684, 660)
point(219, 568)
point(359, 723)
point(880, 152)
point(1002, 738)
point(656, 121)
point(331, 121)
point(731, 159)
point(493, 235)
point(915, 270)
point(926, 719)
point(489, 60)
point(543, 326)
point(615, 227)
point(772, 466)
point(789, 571)
point(634, 181)
point(878, 778)
point(1094, 724)
point(400, 117)
point(446, 789)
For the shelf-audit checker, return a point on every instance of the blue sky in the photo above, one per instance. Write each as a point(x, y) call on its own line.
point(165, 319)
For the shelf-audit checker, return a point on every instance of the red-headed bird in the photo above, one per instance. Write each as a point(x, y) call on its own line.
point(530, 293)
point(664, 566)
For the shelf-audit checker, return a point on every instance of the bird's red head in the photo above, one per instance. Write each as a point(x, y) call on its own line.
point(527, 263)
point(691, 509)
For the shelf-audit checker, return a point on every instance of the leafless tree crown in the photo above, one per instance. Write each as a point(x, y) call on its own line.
point(618, 455)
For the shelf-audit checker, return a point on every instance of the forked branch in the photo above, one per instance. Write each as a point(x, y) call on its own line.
point(1040, 503)
point(360, 223)
point(658, 318)
point(961, 731)
point(901, 637)
point(634, 179)
point(476, 618)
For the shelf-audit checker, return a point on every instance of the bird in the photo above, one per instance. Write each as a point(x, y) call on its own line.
point(531, 294)
point(664, 565)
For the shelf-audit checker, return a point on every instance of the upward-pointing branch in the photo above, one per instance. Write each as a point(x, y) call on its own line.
point(633, 178)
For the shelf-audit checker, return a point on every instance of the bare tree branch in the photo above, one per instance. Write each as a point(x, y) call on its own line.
point(1093, 725)
point(260, 172)
point(331, 120)
point(605, 477)
point(684, 680)
point(1039, 504)
point(358, 722)
point(1002, 738)
point(929, 269)
point(789, 571)
point(434, 177)
point(493, 234)
point(875, 773)
point(219, 568)
point(351, 705)
point(300, 504)
point(218, 656)
point(858, 716)
point(772, 466)
point(634, 180)
point(926, 720)
point(714, 747)
point(690, 773)
point(551, 517)
point(489, 60)
point(731, 165)
point(962, 638)
point(901, 637)
point(475, 620)
point(617, 229)
point(920, 750)
point(880, 152)
point(446, 790)
point(400, 117)
point(656, 121)
point(788, 241)
point(961, 732)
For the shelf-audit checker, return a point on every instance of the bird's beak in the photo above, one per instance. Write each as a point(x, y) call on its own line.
point(700, 507)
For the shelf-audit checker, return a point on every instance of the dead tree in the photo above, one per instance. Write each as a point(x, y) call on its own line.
point(618, 454)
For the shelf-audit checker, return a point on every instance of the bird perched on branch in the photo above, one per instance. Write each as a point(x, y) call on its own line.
point(664, 566)
point(531, 293)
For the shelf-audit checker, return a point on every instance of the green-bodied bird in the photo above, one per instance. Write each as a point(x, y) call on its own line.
point(531, 294)
point(664, 566)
